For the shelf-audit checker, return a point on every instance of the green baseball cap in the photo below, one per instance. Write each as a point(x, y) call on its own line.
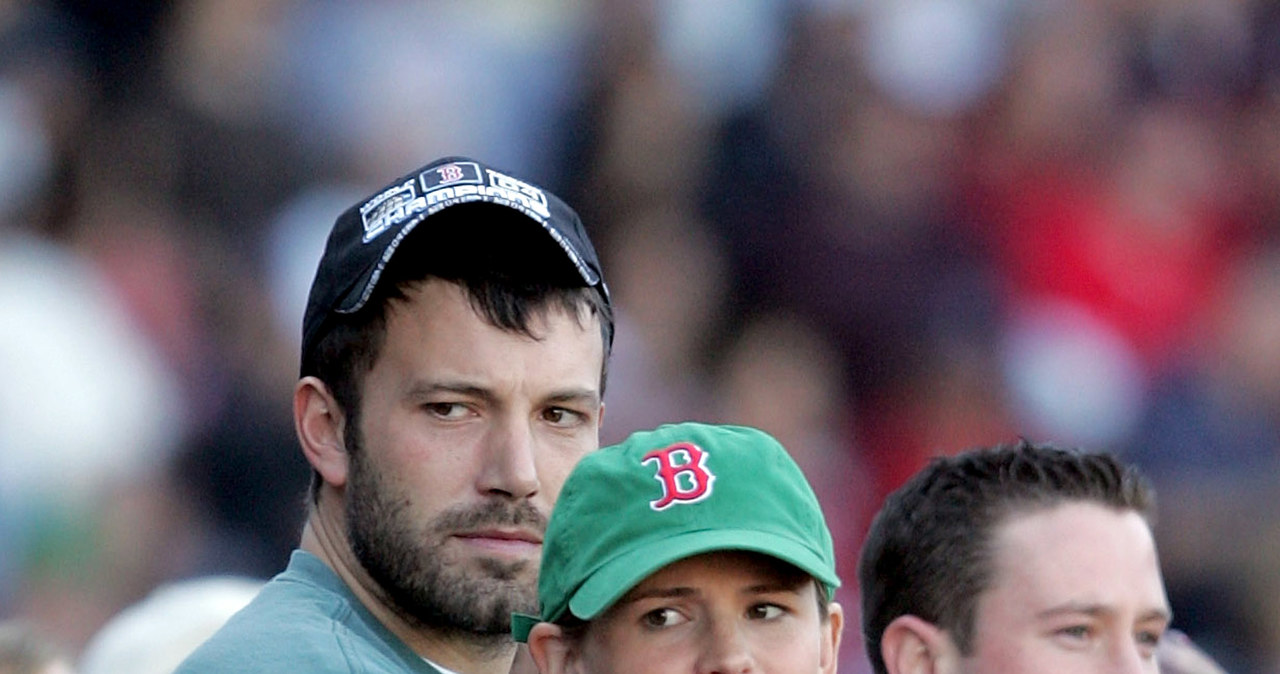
point(660, 496)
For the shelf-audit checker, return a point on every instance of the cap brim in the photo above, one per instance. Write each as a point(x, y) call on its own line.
point(355, 297)
point(521, 625)
point(620, 574)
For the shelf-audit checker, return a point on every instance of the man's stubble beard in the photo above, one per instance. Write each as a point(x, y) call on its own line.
point(472, 598)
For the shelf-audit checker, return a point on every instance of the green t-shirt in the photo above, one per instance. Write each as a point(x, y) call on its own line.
point(304, 620)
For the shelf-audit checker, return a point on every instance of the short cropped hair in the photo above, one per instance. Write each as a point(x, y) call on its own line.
point(929, 550)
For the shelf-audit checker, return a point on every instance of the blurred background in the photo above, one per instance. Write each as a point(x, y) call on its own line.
point(880, 229)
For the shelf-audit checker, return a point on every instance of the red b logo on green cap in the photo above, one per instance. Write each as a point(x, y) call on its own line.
point(683, 474)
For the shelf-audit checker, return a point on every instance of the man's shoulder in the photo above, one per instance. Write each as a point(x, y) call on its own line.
point(302, 621)
point(290, 626)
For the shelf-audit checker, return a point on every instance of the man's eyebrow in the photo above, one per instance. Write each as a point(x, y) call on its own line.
point(1095, 609)
point(423, 389)
point(1164, 614)
point(575, 395)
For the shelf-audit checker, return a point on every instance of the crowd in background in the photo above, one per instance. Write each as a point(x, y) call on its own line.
point(880, 230)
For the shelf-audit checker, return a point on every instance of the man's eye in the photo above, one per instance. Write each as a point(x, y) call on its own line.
point(446, 410)
point(662, 617)
point(765, 612)
point(1075, 632)
point(1149, 638)
point(560, 416)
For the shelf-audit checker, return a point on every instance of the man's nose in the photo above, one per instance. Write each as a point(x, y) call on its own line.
point(510, 468)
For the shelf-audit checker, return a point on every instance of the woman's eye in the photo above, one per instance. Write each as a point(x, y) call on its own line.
point(662, 617)
point(765, 612)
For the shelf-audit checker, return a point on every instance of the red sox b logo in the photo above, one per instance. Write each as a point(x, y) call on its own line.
point(450, 173)
point(683, 474)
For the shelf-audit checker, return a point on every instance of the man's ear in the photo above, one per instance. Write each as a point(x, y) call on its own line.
point(912, 645)
point(551, 650)
point(320, 425)
point(831, 639)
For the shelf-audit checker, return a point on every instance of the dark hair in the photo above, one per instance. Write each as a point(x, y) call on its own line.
point(928, 552)
point(508, 274)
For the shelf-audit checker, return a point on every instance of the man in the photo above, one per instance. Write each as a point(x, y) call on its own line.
point(1014, 559)
point(453, 367)
point(689, 548)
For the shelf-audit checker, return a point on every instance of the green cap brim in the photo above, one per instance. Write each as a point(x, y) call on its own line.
point(617, 576)
point(521, 625)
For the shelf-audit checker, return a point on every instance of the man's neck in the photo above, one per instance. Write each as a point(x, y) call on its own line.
point(325, 537)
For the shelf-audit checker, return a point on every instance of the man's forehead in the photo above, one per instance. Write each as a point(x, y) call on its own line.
point(1067, 523)
point(1081, 553)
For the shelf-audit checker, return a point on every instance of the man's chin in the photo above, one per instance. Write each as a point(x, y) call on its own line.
point(478, 604)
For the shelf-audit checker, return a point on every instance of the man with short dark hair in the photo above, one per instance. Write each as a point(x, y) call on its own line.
point(453, 370)
point(1015, 559)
